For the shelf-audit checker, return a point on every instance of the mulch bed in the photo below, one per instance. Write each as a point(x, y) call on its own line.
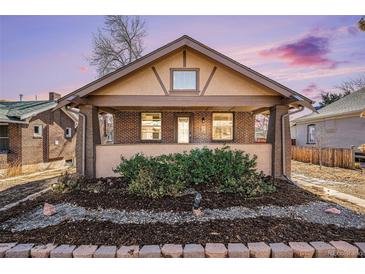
point(224, 231)
point(287, 194)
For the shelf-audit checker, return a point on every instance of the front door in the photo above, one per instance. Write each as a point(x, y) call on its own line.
point(183, 131)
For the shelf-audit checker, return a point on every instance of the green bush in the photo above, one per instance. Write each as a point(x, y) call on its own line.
point(220, 169)
point(69, 182)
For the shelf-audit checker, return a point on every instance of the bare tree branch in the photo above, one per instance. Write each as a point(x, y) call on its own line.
point(353, 84)
point(119, 43)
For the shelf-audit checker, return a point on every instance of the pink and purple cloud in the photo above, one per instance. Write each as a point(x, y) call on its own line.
point(308, 51)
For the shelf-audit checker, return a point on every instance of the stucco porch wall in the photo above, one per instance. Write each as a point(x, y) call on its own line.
point(108, 156)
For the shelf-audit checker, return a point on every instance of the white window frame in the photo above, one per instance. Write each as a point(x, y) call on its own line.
point(40, 133)
point(311, 139)
point(177, 70)
point(69, 133)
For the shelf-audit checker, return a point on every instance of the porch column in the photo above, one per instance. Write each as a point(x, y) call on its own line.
point(274, 137)
point(92, 138)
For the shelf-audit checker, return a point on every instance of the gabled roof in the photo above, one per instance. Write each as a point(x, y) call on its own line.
point(184, 41)
point(14, 112)
point(353, 103)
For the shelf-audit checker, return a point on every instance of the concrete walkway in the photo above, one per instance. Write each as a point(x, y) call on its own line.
point(309, 182)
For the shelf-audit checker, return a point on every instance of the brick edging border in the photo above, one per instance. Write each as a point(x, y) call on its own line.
point(317, 249)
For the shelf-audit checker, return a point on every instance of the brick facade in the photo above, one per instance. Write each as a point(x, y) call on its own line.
point(25, 149)
point(127, 127)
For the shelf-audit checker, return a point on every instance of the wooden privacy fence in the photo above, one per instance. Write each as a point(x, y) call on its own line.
point(332, 157)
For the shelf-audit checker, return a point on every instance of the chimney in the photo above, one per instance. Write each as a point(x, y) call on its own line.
point(53, 96)
point(20, 97)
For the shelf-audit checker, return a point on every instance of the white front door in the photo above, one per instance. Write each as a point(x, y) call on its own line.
point(183, 130)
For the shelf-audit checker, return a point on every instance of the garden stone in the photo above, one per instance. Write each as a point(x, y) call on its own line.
point(48, 209)
point(62, 251)
point(323, 250)
point(128, 251)
point(345, 250)
point(4, 247)
point(281, 250)
point(42, 251)
point(361, 247)
point(150, 251)
point(194, 251)
point(302, 249)
point(238, 250)
point(172, 251)
point(333, 210)
point(259, 250)
point(19, 251)
point(213, 250)
point(84, 251)
point(105, 251)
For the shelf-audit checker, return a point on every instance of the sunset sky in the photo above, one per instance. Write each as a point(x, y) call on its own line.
point(309, 54)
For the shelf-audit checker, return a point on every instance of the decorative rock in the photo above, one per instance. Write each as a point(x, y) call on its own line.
point(333, 210)
point(150, 251)
point(62, 251)
point(49, 209)
point(213, 250)
point(259, 250)
point(105, 251)
point(19, 251)
point(128, 251)
point(361, 247)
point(198, 212)
point(193, 251)
point(84, 251)
point(281, 250)
point(172, 251)
point(323, 250)
point(42, 251)
point(238, 250)
point(302, 249)
point(345, 250)
point(4, 247)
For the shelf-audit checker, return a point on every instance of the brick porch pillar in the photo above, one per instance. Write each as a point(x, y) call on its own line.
point(274, 137)
point(92, 138)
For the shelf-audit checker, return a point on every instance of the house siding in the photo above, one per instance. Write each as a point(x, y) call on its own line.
point(127, 126)
point(336, 133)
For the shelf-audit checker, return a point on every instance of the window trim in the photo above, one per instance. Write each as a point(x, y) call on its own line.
point(5, 138)
point(172, 70)
point(140, 124)
point(38, 135)
point(233, 122)
point(308, 142)
point(68, 135)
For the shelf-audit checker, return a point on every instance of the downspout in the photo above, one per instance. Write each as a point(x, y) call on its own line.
point(83, 138)
point(283, 117)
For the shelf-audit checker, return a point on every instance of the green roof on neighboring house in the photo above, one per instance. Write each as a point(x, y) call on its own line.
point(353, 103)
point(12, 112)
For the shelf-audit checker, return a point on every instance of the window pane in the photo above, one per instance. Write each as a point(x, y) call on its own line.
point(222, 126)
point(184, 80)
point(3, 131)
point(311, 134)
point(4, 144)
point(151, 126)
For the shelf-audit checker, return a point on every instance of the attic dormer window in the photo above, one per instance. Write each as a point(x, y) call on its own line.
point(184, 79)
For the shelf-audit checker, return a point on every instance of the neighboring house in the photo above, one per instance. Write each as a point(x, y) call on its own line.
point(181, 96)
point(337, 125)
point(34, 137)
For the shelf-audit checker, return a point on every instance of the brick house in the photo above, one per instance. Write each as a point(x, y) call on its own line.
point(34, 137)
point(182, 96)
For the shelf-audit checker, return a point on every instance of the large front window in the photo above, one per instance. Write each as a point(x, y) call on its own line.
point(222, 126)
point(151, 126)
point(184, 80)
point(4, 138)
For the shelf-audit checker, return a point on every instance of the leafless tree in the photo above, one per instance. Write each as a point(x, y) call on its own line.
point(353, 84)
point(119, 43)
